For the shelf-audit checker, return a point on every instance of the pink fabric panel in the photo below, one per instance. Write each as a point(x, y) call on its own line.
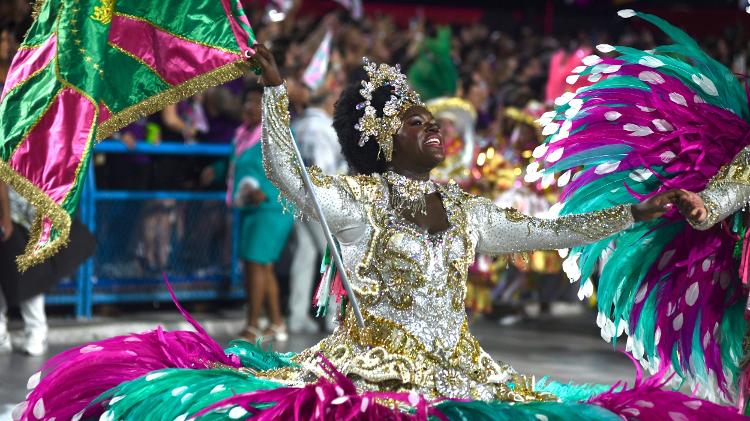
point(58, 141)
point(239, 34)
point(28, 61)
point(104, 113)
point(45, 234)
point(175, 59)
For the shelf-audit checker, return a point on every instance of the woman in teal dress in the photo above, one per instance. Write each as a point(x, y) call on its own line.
point(264, 226)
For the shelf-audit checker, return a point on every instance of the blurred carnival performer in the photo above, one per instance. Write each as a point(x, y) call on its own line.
point(457, 118)
point(264, 226)
point(319, 145)
point(26, 290)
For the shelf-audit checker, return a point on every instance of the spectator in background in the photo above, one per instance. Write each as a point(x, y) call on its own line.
point(32, 308)
point(475, 90)
point(27, 289)
point(8, 48)
point(220, 107)
point(164, 219)
point(264, 226)
point(319, 145)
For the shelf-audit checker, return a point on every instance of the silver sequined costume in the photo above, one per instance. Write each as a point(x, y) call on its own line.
point(728, 191)
point(411, 284)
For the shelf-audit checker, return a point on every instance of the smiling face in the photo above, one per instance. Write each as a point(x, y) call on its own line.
point(418, 145)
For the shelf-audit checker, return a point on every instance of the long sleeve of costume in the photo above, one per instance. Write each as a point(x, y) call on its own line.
point(499, 230)
point(339, 207)
point(727, 192)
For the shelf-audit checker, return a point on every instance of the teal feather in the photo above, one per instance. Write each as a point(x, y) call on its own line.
point(255, 357)
point(639, 248)
point(727, 85)
point(176, 394)
point(570, 392)
point(733, 331)
point(618, 82)
point(534, 411)
point(594, 156)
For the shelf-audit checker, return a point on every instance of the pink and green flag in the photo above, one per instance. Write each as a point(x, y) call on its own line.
point(315, 73)
point(89, 67)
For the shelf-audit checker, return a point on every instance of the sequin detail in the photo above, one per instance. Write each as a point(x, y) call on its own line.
point(411, 284)
point(408, 195)
point(727, 192)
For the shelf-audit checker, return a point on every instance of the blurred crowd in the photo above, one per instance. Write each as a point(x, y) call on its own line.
point(488, 84)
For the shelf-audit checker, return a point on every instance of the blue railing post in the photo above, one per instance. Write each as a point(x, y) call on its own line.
point(85, 295)
point(90, 223)
point(80, 280)
point(83, 279)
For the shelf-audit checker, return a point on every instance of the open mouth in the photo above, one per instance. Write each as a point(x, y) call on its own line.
point(434, 141)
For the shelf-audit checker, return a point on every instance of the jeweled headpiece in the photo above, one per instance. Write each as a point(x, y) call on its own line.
point(402, 98)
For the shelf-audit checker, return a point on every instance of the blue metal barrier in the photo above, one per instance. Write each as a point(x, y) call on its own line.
point(96, 285)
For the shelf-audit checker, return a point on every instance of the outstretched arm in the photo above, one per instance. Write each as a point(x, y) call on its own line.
point(501, 231)
point(282, 168)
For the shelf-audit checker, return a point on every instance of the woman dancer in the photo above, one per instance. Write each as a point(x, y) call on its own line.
point(407, 244)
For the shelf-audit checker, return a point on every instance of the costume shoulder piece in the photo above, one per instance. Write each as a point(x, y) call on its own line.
point(364, 188)
point(736, 172)
point(453, 191)
point(727, 192)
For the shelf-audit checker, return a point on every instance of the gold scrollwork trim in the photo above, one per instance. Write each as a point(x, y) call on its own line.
point(36, 9)
point(45, 207)
point(172, 95)
point(103, 13)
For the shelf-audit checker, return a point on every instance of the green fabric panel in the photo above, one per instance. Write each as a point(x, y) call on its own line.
point(82, 43)
point(24, 105)
point(45, 24)
point(206, 22)
point(238, 11)
point(129, 82)
point(70, 204)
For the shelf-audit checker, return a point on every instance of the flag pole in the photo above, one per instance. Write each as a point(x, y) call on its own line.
point(329, 236)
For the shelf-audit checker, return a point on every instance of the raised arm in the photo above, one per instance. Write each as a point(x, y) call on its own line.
point(339, 207)
point(499, 230)
point(727, 193)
